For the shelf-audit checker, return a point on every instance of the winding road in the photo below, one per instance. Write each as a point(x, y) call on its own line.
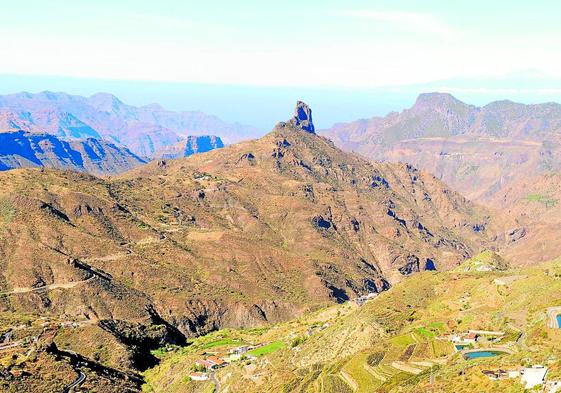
point(77, 382)
point(552, 313)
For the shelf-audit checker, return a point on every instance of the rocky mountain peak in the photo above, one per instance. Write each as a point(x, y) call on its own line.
point(303, 117)
point(106, 101)
point(437, 100)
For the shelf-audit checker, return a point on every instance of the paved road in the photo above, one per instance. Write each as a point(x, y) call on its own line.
point(67, 285)
point(216, 382)
point(552, 313)
point(80, 380)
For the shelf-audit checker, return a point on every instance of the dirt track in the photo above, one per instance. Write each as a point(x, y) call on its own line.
point(49, 287)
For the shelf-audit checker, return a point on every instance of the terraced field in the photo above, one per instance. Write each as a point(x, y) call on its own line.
point(395, 342)
point(409, 355)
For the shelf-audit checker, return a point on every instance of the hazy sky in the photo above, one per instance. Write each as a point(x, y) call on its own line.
point(279, 43)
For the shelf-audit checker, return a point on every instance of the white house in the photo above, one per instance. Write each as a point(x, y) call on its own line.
point(534, 376)
point(198, 376)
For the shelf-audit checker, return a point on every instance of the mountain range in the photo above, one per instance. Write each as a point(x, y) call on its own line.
point(477, 150)
point(143, 130)
point(21, 149)
point(250, 234)
point(100, 134)
point(277, 242)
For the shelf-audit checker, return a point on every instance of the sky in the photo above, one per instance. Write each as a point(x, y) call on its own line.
point(338, 47)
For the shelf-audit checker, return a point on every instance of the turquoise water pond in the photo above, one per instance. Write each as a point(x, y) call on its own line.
point(482, 354)
point(559, 321)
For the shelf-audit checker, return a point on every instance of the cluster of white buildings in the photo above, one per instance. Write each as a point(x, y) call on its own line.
point(472, 336)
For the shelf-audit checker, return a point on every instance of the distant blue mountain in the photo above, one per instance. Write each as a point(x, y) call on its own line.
point(144, 129)
point(21, 149)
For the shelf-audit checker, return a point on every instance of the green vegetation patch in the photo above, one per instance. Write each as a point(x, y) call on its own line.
point(267, 349)
point(7, 211)
point(375, 358)
point(403, 341)
point(425, 333)
point(439, 326)
point(485, 261)
point(335, 384)
point(546, 200)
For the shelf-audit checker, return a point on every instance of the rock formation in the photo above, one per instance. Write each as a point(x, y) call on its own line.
point(303, 117)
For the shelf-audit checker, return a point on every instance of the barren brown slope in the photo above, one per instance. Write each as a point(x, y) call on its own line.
point(239, 236)
point(296, 190)
point(534, 203)
point(287, 217)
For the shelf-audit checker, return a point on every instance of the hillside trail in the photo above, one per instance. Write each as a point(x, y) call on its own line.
point(107, 258)
point(68, 285)
point(216, 382)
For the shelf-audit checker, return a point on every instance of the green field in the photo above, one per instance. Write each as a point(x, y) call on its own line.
point(546, 200)
point(384, 346)
point(425, 332)
point(267, 349)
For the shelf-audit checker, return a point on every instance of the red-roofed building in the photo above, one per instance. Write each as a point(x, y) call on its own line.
point(207, 365)
point(216, 361)
point(470, 338)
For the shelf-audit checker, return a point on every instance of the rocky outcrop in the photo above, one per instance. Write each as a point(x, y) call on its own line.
point(205, 316)
point(303, 117)
point(191, 145)
point(141, 338)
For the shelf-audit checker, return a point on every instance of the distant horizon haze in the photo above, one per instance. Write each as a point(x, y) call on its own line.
point(263, 106)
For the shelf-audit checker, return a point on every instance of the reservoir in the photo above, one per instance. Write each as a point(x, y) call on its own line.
point(481, 354)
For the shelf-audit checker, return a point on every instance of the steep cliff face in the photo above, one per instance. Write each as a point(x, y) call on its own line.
point(22, 149)
point(303, 117)
point(189, 146)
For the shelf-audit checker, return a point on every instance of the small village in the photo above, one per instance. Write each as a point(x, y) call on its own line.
point(471, 344)
point(203, 367)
